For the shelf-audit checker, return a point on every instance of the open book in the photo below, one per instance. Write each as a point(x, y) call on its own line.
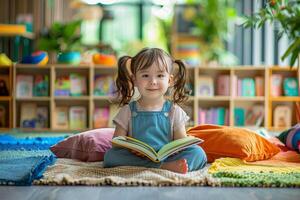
point(148, 151)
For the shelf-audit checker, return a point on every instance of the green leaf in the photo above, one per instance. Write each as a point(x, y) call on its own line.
point(294, 57)
point(291, 48)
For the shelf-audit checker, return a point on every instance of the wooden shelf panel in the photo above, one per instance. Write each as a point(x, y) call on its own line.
point(5, 98)
point(32, 98)
point(213, 98)
point(284, 98)
point(71, 98)
point(249, 98)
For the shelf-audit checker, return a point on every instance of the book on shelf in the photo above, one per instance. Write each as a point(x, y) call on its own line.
point(259, 86)
point(276, 85)
point(248, 87)
point(41, 85)
point(290, 86)
point(28, 115)
point(101, 117)
point(24, 85)
point(77, 117)
point(61, 118)
point(206, 86)
point(254, 115)
point(156, 156)
point(78, 86)
point(223, 85)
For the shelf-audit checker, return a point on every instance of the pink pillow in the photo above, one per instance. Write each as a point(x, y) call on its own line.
point(88, 146)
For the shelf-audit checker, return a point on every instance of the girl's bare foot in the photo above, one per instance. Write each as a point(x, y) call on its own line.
point(179, 166)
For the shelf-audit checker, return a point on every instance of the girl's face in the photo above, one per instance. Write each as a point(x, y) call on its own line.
point(152, 82)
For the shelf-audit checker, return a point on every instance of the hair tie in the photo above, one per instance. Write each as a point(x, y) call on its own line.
point(128, 66)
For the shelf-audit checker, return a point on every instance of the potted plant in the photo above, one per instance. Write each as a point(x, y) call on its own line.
point(211, 21)
point(286, 14)
point(64, 40)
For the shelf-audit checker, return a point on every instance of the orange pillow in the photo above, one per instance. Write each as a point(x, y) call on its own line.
point(223, 141)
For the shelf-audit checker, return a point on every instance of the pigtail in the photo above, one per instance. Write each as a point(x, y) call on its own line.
point(180, 91)
point(124, 81)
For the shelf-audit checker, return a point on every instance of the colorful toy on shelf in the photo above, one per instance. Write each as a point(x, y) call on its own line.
point(72, 57)
point(4, 60)
point(104, 59)
point(39, 58)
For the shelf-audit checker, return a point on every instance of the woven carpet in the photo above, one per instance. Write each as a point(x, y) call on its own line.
point(276, 172)
point(73, 172)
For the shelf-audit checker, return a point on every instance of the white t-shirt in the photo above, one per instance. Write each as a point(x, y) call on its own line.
point(178, 117)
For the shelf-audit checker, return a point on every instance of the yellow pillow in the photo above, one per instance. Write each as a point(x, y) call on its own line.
point(223, 141)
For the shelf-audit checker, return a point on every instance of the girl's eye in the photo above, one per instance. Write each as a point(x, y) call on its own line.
point(144, 75)
point(161, 75)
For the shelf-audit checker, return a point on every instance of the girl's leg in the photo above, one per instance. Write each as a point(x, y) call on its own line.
point(122, 157)
point(194, 156)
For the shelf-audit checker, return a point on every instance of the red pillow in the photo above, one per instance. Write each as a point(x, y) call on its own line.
point(88, 146)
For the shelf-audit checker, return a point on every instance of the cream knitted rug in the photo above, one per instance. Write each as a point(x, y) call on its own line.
point(73, 172)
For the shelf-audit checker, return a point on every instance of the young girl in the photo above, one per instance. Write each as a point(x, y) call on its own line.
point(152, 118)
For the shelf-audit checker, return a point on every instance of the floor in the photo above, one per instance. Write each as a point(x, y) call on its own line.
point(145, 193)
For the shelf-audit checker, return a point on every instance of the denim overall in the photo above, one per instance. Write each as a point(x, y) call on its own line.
point(153, 128)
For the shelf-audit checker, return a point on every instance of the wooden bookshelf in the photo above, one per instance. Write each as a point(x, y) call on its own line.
point(91, 102)
point(52, 102)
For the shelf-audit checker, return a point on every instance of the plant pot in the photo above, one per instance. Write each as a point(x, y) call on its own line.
point(72, 57)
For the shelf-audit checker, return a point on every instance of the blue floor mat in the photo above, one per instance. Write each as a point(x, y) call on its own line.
point(23, 160)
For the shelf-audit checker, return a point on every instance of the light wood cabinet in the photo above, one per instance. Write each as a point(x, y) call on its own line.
point(230, 101)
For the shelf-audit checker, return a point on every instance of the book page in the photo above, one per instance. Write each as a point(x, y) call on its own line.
point(177, 145)
point(135, 145)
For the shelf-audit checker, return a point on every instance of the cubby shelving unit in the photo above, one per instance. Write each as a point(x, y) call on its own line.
point(90, 101)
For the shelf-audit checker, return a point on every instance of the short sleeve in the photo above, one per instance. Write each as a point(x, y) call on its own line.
point(123, 117)
point(179, 117)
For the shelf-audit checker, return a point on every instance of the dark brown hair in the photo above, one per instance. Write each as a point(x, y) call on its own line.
point(143, 60)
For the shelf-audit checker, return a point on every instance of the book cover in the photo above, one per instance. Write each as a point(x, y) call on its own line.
point(104, 85)
point(254, 115)
point(259, 86)
point(148, 151)
point(62, 86)
point(206, 86)
point(234, 86)
point(77, 85)
point(290, 86)
point(248, 87)
point(24, 87)
point(223, 85)
point(42, 117)
point(28, 115)
point(201, 116)
point(276, 85)
point(101, 117)
point(239, 117)
point(221, 116)
point(239, 87)
point(78, 117)
point(61, 118)
point(282, 116)
point(41, 85)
